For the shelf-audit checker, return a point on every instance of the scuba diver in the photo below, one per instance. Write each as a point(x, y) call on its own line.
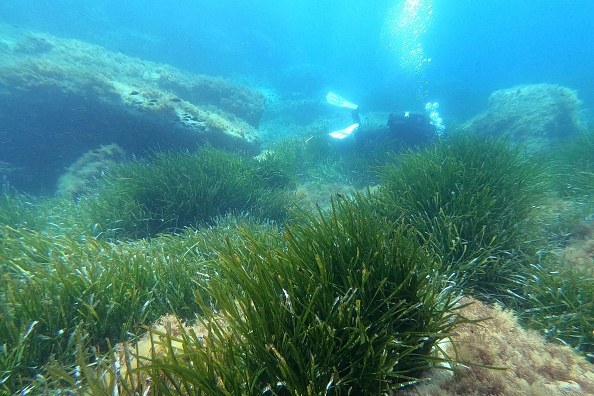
point(412, 129)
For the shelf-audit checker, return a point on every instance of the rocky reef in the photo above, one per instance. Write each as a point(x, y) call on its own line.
point(62, 97)
point(530, 114)
point(497, 357)
point(505, 359)
point(83, 174)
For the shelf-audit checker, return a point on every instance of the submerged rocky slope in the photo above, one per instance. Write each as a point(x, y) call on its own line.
point(60, 98)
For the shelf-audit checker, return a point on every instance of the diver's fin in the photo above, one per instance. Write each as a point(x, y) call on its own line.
point(341, 134)
point(337, 100)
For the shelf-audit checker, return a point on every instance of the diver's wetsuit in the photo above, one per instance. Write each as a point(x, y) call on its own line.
point(411, 129)
point(356, 118)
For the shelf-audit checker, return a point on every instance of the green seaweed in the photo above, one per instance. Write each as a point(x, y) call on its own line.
point(344, 302)
point(319, 159)
point(17, 210)
point(470, 198)
point(175, 190)
point(63, 285)
point(350, 300)
point(574, 166)
point(13, 357)
point(558, 301)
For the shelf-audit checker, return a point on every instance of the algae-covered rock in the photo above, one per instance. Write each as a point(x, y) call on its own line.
point(525, 365)
point(62, 97)
point(82, 175)
point(531, 114)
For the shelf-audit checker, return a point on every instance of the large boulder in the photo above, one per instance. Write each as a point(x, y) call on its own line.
point(60, 98)
point(530, 114)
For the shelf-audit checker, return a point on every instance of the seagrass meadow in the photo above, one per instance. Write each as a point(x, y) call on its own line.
point(270, 290)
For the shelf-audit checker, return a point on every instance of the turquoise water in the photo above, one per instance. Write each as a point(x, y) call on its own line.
point(77, 112)
point(436, 57)
point(368, 50)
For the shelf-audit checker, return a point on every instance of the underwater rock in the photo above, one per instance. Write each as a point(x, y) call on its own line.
point(579, 251)
point(530, 114)
point(528, 365)
point(503, 358)
point(62, 97)
point(82, 175)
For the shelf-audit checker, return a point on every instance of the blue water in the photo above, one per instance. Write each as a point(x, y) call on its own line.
point(474, 47)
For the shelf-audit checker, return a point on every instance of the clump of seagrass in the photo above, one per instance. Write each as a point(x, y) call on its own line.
point(174, 190)
point(318, 160)
point(575, 166)
point(559, 302)
point(470, 198)
point(60, 291)
point(344, 302)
